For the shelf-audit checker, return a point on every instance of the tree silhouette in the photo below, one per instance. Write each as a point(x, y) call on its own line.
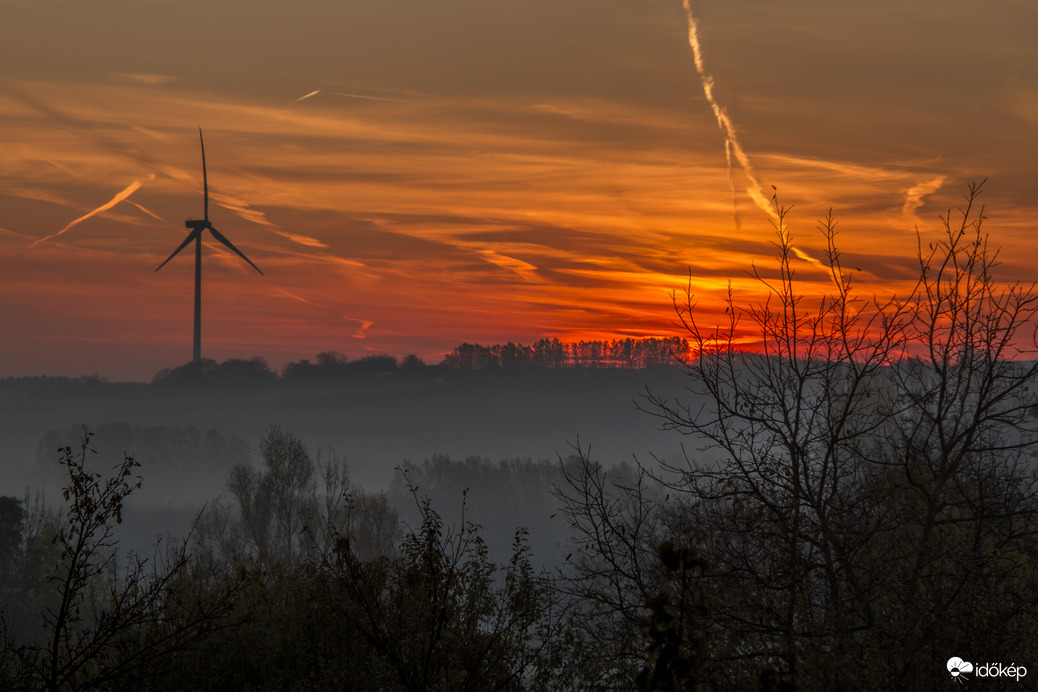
point(859, 489)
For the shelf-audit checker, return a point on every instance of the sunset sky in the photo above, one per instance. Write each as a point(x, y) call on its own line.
point(413, 174)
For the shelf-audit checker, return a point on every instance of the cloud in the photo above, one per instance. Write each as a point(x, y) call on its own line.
point(300, 238)
point(145, 78)
point(63, 168)
point(282, 292)
point(38, 195)
point(124, 194)
point(362, 331)
point(369, 98)
point(149, 212)
point(914, 196)
point(315, 92)
point(244, 210)
point(525, 270)
point(808, 258)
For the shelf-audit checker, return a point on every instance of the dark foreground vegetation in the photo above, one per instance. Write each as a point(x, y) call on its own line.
point(857, 507)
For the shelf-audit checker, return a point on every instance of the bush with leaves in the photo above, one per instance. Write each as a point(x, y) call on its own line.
point(109, 619)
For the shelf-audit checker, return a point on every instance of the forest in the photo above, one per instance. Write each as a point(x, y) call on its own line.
point(856, 508)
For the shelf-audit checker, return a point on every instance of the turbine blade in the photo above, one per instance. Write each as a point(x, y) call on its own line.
point(223, 239)
point(205, 178)
point(190, 236)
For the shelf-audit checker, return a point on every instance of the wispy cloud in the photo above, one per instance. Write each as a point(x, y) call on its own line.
point(244, 210)
point(145, 78)
point(527, 271)
point(808, 258)
point(282, 292)
point(362, 331)
point(369, 98)
point(124, 194)
point(148, 212)
point(38, 194)
point(63, 168)
point(915, 194)
point(313, 93)
point(300, 238)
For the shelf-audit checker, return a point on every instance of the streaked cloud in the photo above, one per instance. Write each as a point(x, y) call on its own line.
point(362, 330)
point(525, 270)
point(304, 97)
point(148, 211)
point(300, 238)
point(914, 197)
point(367, 97)
point(144, 78)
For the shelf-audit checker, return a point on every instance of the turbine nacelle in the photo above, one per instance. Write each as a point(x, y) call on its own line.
point(200, 224)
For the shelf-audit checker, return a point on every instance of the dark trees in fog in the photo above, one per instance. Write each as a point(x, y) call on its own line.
point(358, 605)
point(442, 616)
point(12, 518)
point(348, 602)
point(292, 507)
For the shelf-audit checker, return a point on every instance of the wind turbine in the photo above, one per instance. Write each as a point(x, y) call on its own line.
point(197, 226)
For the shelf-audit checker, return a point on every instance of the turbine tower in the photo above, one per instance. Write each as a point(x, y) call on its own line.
point(197, 226)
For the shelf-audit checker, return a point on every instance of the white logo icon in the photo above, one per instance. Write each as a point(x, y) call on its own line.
point(957, 667)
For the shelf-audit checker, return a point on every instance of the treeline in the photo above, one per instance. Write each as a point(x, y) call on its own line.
point(552, 353)
point(545, 353)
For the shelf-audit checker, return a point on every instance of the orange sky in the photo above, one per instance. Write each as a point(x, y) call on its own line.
point(476, 171)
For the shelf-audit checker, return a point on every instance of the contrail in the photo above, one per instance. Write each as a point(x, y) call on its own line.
point(149, 213)
point(130, 189)
point(731, 142)
point(65, 169)
point(724, 123)
point(303, 98)
point(293, 296)
point(370, 98)
point(731, 185)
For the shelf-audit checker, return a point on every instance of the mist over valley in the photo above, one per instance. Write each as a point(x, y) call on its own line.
point(377, 417)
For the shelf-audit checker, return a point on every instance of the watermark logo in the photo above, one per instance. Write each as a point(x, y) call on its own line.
point(960, 670)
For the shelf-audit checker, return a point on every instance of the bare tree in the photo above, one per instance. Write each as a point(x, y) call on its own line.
point(292, 495)
point(251, 491)
point(854, 480)
point(289, 480)
point(618, 520)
